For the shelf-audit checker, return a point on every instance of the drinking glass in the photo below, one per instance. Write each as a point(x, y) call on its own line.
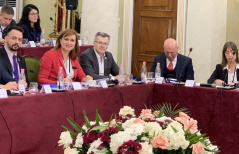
point(24, 42)
point(67, 83)
point(33, 88)
point(237, 85)
point(130, 79)
point(85, 83)
point(150, 76)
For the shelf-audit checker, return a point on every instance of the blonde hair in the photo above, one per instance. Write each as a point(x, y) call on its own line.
point(68, 32)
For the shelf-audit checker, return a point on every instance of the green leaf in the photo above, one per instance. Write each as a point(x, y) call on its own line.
point(99, 128)
point(87, 122)
point(97, 117)
point(174, 129)
point(161, 112)
point(74, 135)
point(75, 125)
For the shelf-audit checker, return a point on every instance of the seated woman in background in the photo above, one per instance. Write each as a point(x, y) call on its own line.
point(228, 71)
point(30, 23)
point(64, 54)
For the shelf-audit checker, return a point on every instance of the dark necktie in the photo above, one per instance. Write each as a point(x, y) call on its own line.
point(170, 66)
point(15, 67)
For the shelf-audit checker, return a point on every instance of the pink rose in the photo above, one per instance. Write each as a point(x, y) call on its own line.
point(181, 120)
point(198, 148)
point(156, 113)
point(139, 121)
point(192, 123)
point(183, 115)
point(160, 142)
point(146, 114)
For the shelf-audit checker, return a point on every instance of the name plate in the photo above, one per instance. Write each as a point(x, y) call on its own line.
point(103, 84)
point(3, 93)
point(160, 80)
point(32, 44)
point(46, 89)
point(190, 83)
point(76, 86)
point(79, 42)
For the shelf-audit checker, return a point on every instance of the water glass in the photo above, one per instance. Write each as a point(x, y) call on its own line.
point(67, 83)
point(24, 42)
point(130, 79)
point(85, 83)
point(150, 76)
point(33, 88)
point(237, 85)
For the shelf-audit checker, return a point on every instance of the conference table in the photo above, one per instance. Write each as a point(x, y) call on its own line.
point(32, 123)
point(39, 51)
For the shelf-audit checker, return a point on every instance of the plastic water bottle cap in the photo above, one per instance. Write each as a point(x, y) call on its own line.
point(158, 63)
point(144, 62)
point(22, 70)
point(121, 64)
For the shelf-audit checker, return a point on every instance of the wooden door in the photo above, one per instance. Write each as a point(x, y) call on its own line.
point(154, 22)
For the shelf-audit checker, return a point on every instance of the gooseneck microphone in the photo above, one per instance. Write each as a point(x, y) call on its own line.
point(180, 75)
point(52, 20)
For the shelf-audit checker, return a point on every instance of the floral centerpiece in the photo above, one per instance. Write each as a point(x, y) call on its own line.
point(157, 130)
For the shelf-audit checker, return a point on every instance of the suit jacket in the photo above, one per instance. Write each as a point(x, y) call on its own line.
point(4, 76)
point(50, 63)
point(90, 65)
point(12, 23)
point(184, 66)
point(30, 34)
point(221, 74)
point(7, 64)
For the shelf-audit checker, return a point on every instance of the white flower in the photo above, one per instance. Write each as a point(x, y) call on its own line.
point(163, 118)
point(94, 147)
point(153, 128)
point(126, 110)
point(79, 140)
point(146, 148)
point(176, 139)
point(71, 151)
point(65, 139)
point(118, 139)
point(128, 123)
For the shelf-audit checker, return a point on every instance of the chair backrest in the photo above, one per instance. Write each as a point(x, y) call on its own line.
point(32, 63)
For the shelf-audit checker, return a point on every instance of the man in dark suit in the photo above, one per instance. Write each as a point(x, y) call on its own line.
point(13, 41)
point(96, 61)
point(6, 21)
point(173, 64)
point(6, 81)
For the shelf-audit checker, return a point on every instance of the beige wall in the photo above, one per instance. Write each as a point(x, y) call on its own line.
point(233, 21)
point(206, 34)
point(101, 19)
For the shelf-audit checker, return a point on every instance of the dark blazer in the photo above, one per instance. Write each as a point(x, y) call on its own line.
point(7, 64)
point(12, 23)
point(186, 74)
point(30, 34)
point(4, 76)
point(89, 64)
point(218, 73)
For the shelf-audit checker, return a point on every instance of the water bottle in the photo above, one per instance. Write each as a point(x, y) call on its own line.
point(60, 79)
point(121, 78)
point(22, 81)
point(85, 38)
point(43, 39)
point(143, 72)
point(157, 71)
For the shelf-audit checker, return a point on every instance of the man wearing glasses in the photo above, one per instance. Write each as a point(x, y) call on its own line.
point(96, 61)
point(172, 64)
point(6, 21)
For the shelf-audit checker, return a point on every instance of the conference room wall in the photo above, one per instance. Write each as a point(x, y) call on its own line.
point(206, 34)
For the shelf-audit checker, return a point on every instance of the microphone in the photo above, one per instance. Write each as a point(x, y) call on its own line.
point(74, 67)
point(52, 20)
point(179, 79)
point(137, 78)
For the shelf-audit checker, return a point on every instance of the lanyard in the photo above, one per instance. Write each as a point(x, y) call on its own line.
point(69, 65)
point(234, 74)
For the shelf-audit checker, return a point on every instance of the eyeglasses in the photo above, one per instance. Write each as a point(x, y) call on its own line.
point(34, 14)
point(101, 43)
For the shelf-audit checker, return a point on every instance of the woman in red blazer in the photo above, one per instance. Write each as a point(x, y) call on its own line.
point(64, 54)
